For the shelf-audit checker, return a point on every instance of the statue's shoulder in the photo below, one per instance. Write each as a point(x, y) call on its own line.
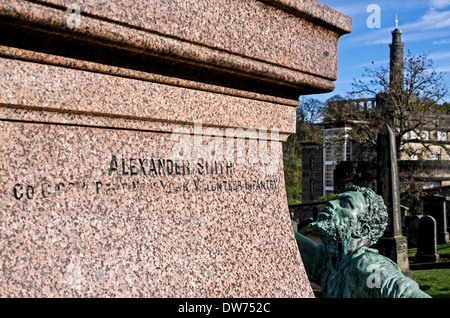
point(382, 276)
point(367, 260)
point(366, 253)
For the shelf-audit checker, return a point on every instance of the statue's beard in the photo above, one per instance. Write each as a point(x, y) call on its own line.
point(337, 238)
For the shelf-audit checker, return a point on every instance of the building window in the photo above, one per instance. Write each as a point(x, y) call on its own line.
point(410, 135)
point(329, 153)
point(431, 184)
point(441, 135)
point(434, 156)
point(329, 180)
point(334, 152)
point(425, 135)
point(348, 150)
point(337, 146)
point(311, 188)
point(311, 163)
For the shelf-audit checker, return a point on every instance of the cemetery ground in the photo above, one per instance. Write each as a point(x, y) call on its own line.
point(435, 282)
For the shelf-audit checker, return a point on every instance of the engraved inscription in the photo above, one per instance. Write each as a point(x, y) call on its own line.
point(133, 174)
point(166, 167)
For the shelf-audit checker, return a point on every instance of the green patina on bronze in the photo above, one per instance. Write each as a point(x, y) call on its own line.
point(344, 265)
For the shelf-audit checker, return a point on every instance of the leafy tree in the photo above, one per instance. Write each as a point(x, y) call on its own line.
point(308, 112)
point(327, 197)
point(445, 106)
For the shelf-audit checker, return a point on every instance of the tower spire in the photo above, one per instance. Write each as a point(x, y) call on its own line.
point(396, 21)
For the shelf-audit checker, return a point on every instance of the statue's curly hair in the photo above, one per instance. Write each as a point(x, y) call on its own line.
point(375, 216)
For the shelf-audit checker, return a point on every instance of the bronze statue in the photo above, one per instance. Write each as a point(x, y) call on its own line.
point(344, 265)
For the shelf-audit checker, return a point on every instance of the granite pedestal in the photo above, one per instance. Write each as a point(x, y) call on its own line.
point(113, 118)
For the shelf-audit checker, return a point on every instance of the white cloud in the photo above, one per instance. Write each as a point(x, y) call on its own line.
point(351, 10)
point(439, 4)
point(399, 5)
point(445, 41)
point(439, 55)
point(379, 62)
point(443, 69)
point(432, 25)
point(433, 20)
point(411, 36)
point(443, 61)
point(380, 41)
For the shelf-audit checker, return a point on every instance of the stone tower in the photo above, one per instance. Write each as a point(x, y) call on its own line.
point(392, 244)
point(396, 61)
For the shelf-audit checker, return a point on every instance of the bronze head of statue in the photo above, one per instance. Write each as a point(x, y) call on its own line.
point(355, 218)
point(345, 265)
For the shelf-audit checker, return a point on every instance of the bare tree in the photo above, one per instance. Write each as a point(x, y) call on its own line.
point(310, 110)
point(410, 106)
point(407, 98)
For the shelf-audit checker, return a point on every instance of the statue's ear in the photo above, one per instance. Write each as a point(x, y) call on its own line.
point(365, 230)
point(365, 236)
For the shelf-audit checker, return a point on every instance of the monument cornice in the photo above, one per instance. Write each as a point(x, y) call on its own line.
point(256, 61)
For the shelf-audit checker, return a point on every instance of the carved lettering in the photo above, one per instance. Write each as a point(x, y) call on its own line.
point(124, 172)
point(200, 166)
point(133, 169)
point(17, 191)
point(133, 174)
point(169, 167)
point(45, 187)
point(98, 185)
point(152, 167)
point(112, 165)
point(142, 163)
point(30, 192)
point(196, 184)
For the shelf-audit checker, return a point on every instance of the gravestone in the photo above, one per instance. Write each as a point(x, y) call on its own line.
point(392, 244)
point(436, 206)
point(412, 229)
point(426, 241)
point(140, 144)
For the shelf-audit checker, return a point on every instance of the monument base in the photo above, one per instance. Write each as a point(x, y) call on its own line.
point(396, 248)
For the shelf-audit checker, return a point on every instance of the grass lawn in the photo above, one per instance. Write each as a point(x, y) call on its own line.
point(435, 282)
point(443, 251)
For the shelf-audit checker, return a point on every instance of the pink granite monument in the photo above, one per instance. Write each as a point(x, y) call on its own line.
point(140, 145)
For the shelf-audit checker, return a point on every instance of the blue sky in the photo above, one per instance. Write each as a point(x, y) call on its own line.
point(425, 26)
